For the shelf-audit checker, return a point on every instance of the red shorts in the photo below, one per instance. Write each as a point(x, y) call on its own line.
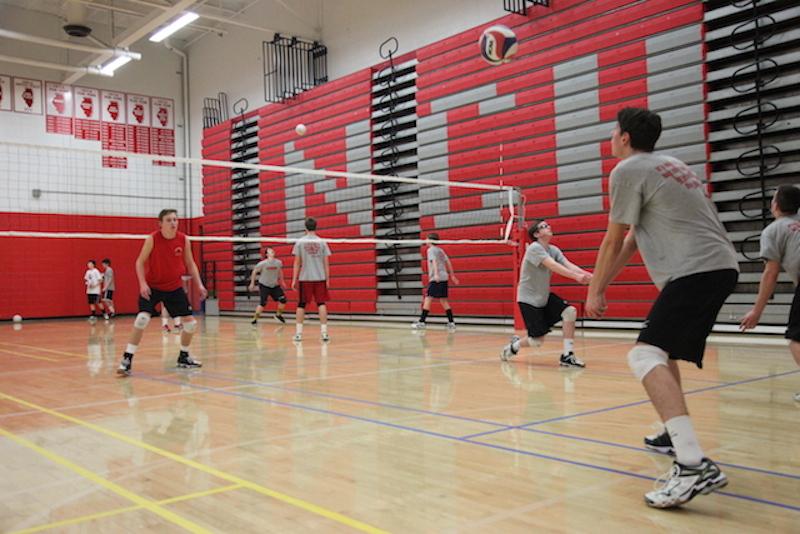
point(313, 291)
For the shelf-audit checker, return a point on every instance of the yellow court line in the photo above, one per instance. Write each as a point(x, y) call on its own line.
point(117, 511)
point(152, 506)
point(277, 495)
point(30, 356)
point(52, 351)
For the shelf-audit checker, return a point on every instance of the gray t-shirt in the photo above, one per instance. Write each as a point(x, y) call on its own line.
point(676, 225)
point(312, 250)
point(440, 256)
point(108, 279)
point(780, 241)
point(269, 271)
point(534, 278)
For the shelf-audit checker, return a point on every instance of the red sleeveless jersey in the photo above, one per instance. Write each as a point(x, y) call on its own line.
point(165, 265)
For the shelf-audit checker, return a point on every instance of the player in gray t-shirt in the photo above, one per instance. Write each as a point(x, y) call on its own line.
point(540, 308)
point(270, 284)
point(312, 270)
point(440, 272)
point(780, 246)
point(660, 206)
point(109, 285)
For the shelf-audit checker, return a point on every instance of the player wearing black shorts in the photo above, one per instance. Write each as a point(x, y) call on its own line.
point(270, 285)
point(440, 272)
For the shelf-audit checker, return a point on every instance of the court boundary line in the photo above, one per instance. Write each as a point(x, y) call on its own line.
point(149, 505)
point(117, 511)
point(466, 440)
point(258, 488)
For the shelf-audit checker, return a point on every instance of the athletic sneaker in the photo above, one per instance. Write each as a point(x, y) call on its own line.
point(279, 317)
point(451, 327)
point(570, 360)
point(124, 368)
point(254, 322)
point(187, 362)
point(797, 397)
point(165, 329)
point(660, 442)
point(325, 338)
point(297, 338)
point(682, 483)
point(105, 316)
point(92, 318)
point(508, 351)
point(418, 325)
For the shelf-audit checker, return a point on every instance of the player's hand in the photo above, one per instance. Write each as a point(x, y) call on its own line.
point(454, 279)
point(293, 285)
point(251, 287)
point(596, 305)
point(585, 279)
point(144, 291)
point(750, 320)
point(203, 292)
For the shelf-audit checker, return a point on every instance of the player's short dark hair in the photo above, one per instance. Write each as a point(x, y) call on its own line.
point(92, 262)
point(642, 125)
point(166, 211)
point(534, 228)
point(311, 224)
point(106, 261)
point(787, 197)
point(433, 236)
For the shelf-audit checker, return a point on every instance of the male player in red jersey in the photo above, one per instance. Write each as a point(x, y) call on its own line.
point(165, 256)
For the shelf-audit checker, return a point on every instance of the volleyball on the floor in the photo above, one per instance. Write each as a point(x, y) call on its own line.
point(300, 129)
point(17, 318)
point(498, 44)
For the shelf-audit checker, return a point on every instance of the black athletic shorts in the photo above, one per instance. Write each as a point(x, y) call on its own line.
point(176, 302)
point(684, 314)
point(793, 328)
point(108, 294)
point(275, 292)
point(437, 290)
point(539, 321)
point(92, 298)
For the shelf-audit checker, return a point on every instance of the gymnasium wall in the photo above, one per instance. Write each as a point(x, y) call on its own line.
point(546, 116)
point(44, 277)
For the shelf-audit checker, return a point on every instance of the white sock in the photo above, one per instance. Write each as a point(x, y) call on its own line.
point(184, 348)
point(177, 321)
point(324, 328)
point(164, 321)
point(684, 439)
point(569, 344)
point(131, 349)
point(298, 328)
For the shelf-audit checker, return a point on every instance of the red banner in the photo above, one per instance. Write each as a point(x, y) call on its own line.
point(5, 93)
point(27, 96)
point(162, 132)
point(139, 124)
point(113, 131)
point(59, 108)
point(87, 113)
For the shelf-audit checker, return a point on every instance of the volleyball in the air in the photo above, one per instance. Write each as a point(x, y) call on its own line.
point(17, 318)
point(498, 44)
point(300, 129)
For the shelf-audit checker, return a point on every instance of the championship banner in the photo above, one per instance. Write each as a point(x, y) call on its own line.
point(113, 131)
point(28, 96)
point(59, 108)
point(5, 93)
point(87, 113)
point(162, 131)
point(138, 124)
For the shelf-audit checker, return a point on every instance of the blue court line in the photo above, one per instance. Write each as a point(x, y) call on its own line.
point(630, 404)
point(221, 376)
point(451, 438)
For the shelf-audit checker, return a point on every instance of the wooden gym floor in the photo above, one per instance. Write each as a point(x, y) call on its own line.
point(381, 430)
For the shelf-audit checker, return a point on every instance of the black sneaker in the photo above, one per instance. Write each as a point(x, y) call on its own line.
point(683, 483)
point(187, 362)
point(570, 360)
point(661, 443)
point(279, 317)
point(254, 322)
point(124, 368)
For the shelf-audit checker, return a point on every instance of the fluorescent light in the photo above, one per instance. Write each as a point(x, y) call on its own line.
point(109, 68)
point(177, 24)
